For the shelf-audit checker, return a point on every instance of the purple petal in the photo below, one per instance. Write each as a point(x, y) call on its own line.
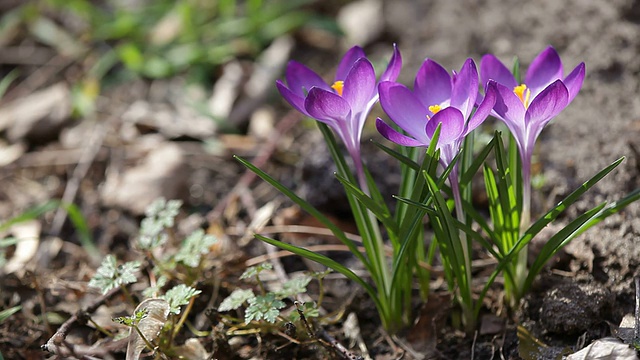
point(360, 85)
point(508, 106)
point(465, 88)
point(347, 62)
point(544, 69)
point(433, 84)
point(327, 107)
point(395, 65)
point(392, 135)
point(404, 109)
point(573, 81)
point(511, 111)
point(300, 79)
point(492, 69)
point(452, 125)
point(484, 109)
point(295, 100)
point(547, 105)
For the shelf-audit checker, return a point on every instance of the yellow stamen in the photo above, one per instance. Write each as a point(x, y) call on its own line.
point(338, 86)
point(435, 108)
point(523, 93)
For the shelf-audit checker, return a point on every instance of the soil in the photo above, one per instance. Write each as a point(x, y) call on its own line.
point(582, 296)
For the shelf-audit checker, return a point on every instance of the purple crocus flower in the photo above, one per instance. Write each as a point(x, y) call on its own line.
point(343, 105)
point(528, 107)
point(437, 98)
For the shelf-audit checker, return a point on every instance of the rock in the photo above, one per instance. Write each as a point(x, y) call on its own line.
point(163, 172)
point(362, 21)
point(573, 308)
point(38, 117)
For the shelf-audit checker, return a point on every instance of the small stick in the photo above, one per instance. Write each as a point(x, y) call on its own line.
point(58, 339)
point(323, 336)
point(636, 331)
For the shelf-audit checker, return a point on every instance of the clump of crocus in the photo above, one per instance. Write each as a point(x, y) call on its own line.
point(343, 105)
point(528, 107)
point(444, 100)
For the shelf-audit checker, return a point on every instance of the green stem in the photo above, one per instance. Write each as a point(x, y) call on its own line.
point(463, 284)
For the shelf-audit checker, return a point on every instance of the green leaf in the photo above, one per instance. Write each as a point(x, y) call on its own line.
point(253, 271)
point(109, 275)
point(399, 156)
point(515, 69)
point(153, 291)
point(6, 313)
point(552, 214)
point(559, 240)
point(381, 212)
point(160, 215)
point(265, 307)
point(473, 168)
point(6, 81)
point(178, 296)
point(293, 287)
point(321, 259)
point(193, 247)
point(76, 217)
point(308, 208)
point(236, 299)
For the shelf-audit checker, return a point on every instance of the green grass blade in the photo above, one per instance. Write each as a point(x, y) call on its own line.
point(559, 240)
point(308, 208)
point(324, 260)
point(6, 81)
point(472, 169)
point(400, 157)
point(449, 242)
point(611, 209)
point(75, 215)
point(552, 214)
point(382, 213)
point(5, 314)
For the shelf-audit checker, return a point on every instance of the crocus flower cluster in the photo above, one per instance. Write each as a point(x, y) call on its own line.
point(437, 98)
point(456, 103)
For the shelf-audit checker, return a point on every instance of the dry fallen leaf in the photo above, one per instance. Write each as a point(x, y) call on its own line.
point(605, 349)
point(150, 326)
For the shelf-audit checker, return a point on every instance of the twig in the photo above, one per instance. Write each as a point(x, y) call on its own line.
point(636, 330)
point(324, 337)
point(56, 343)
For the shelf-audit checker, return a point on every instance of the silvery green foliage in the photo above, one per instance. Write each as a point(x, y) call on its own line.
point(109, 275)
point(160, 215)
point(178, 296)
point(293, 287)
point(253, 271)
point(193, 247)
point(263, 307)
point(236, 299)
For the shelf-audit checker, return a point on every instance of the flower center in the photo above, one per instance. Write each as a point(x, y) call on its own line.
point(435, 108)
point(523, 93)
point(338, 86)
